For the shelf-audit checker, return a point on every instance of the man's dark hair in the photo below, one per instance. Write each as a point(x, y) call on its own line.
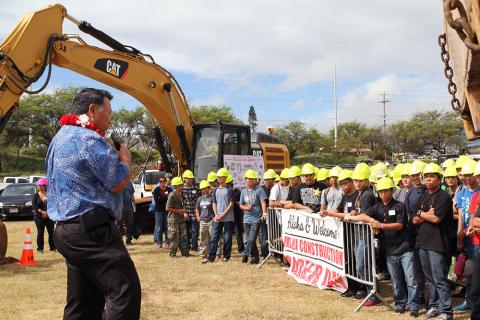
point(87, 96)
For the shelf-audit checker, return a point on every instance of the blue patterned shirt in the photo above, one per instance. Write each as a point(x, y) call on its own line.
point(82, 168)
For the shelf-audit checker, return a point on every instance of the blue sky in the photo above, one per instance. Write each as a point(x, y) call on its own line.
point(277, 55)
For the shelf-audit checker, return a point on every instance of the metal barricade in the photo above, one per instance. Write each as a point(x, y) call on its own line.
point(360, 258)
point(274, 228)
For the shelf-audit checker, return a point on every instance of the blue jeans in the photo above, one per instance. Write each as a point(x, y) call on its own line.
point(435, 268)
point(161, 226)
point(402, 270)
point(251, 231)
point(264, 239)
point(360, 258)
point(217, 228)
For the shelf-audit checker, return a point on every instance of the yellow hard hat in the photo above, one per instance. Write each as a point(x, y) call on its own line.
point(380, 170)
point(269, 174)
point(315, 171)
point(450, 171)
point(477, 170)
point(277, 178)
point(335, 171)
point(212, 176)
point(188, 175)
point(229, 179)
point(397, 171)
point(285, 173)
point(372, 178)
point(307, 169)
point(468, 167)
point(461, 161)
point(361, 172)
point(322, 174)
point(433, 168)
point(204, 184)
point(222, 172)
point(251, 174)
point(417, 167)
point(447, 163)
point(177, 181)
point(295, 171)
point(345, 174)
point(384, 184)
point(407, 167)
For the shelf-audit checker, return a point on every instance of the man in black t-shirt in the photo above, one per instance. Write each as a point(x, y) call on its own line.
point(389, 217)
point(434, 216)
point(307, 195)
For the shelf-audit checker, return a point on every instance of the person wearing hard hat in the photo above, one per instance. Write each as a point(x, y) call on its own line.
point(346, 205)
point(331, 196)
point(294, 175)
point(190, 195)
point(204, 214)
point(389, 218)
point(253, 202)
point(364, 201)
point(407, 184)
point(177, 215)
point(464, 200)
point(269, 181)
point(434, 218)
point(451, 180)
point(306, 196)
point(279, 191)
point(223, 202)
point(212, 179)
point(237, 216)
point(322, 177)
point(474, 232)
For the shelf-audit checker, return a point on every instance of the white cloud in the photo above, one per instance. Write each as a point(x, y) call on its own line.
point(298, 104)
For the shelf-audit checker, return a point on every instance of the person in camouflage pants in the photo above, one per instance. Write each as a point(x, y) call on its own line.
point(204, 214)
point(177, 233)
point(190, 195)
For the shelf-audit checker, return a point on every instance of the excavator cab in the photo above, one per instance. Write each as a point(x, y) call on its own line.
point(214, 140)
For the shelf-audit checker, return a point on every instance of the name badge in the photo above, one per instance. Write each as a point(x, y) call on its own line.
point(349, 204)
point(204, 207)
point(194, 191)
point(391, 212)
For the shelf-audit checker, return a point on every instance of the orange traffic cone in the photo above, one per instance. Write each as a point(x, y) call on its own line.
point(27, 254)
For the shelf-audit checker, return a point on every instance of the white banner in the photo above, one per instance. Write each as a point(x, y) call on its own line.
point(314, 248)
point(238, 164)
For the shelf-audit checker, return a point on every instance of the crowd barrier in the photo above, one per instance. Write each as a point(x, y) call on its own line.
point(359, 252)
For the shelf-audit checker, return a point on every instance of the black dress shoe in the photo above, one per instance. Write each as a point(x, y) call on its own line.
point(347, 294)
point(245, 259)
point(414, 313)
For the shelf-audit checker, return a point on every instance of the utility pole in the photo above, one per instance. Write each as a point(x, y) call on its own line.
point(384, 101)
point(335, 137)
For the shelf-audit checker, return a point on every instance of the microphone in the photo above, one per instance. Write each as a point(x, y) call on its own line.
point(117, 141)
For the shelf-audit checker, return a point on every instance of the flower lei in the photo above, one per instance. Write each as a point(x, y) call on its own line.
point(79, 121)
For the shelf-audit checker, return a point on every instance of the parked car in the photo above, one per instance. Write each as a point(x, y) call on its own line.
point(16, 201)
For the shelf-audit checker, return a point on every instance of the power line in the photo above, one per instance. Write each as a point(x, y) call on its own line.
point(384, 101)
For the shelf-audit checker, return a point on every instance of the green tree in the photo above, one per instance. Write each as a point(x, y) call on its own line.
point(252, 118)
point(351, 137)
point(129, 124)
point(206, 114)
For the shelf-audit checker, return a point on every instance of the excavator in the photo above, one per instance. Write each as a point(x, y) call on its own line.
point(37, 43)
point(460, 53)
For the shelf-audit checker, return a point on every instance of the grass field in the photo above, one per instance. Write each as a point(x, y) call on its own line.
point(178, 288)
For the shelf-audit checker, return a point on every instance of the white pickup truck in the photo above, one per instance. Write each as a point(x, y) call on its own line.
point(145, 183)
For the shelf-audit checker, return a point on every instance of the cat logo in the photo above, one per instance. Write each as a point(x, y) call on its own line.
point(114, 67)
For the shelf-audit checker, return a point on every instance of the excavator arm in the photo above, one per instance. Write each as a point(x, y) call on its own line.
point(37, 42)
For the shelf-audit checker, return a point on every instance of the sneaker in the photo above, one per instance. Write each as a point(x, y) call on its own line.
point(245, 259)
point(445, 316)
point(360, 294)
point(225, 260)
point(204, 261)
point(347, 294)
point(432, 313)
point(186, 255)
point(253, 261)
point(167, 245)
point(373, 301)
point(462, 307)
point(172, 255)
point(414, 313)
point(159, 245)
point(399, 309)
point(40, 251)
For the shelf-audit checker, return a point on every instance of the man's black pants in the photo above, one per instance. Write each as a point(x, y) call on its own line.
point(99, 270)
